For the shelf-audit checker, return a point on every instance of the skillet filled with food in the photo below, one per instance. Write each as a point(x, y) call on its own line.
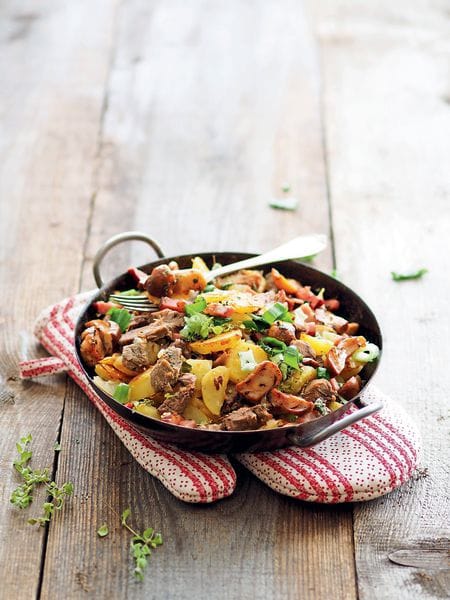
point(257, 359)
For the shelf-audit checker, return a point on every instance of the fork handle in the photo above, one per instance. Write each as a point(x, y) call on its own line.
point(299, 247)
point(118, 239)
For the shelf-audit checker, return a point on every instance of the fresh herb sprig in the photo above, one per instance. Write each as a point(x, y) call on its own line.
point(200, 326)
point(142, 545)
point(22, 496)
point(408, 276)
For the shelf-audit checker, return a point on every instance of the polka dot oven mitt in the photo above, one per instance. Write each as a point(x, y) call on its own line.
point(366, 460)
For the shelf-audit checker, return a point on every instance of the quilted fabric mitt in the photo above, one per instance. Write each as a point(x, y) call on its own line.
point(367, 460)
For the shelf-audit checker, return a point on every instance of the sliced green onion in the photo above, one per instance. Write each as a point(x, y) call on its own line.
point(292, 357)
point(369, 353)
point(121, 393)
point(250, 325)
point(274, 313)
point(322, 373)
point(284, 203)
point(248, 362)
point(197, 306)
point(121, 316)
point(274, 343)
point(210, 287)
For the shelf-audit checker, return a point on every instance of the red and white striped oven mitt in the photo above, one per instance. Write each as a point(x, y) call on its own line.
point(365, 461)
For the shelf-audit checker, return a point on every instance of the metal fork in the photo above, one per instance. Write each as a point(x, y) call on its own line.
point(299, 247)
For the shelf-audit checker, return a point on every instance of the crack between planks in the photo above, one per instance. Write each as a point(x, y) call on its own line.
point(98, 153)
point(91, 208)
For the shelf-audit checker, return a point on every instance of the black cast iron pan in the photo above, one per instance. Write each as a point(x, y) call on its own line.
point(352, 307)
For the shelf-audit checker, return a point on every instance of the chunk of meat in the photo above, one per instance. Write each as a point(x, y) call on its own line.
point(304, 348)
point(161, 281)
point(288, 403)
point(318, 388)
point(140, 321)
point(254, 279)
point(167, 369)
point(350, 388)
point(139, 355)
point(183, 346)
point(339, 324)
point(184, 390)
point(98, 340)
point(246, 417)
point(231, 401)
point(164, 324)
point(282, 331)
point(260, 381)
point(352, 328)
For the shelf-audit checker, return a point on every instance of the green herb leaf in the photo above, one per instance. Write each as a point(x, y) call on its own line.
point(103, 530)
point(126, 513)
point(197, 306)
point(121, 316)
point(196, 327)
point(322, 373)
point(284, 203)
point(321, 406)
point(405, 277)
point(121, 392)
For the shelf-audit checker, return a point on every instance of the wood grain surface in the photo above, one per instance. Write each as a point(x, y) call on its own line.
point(184, 120)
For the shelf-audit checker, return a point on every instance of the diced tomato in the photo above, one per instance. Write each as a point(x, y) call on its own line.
point(103, 307)
point(173, 304)
point(173, 418)
point(129, 404)
point(138, 275)
point(305, 293)
point(218, 310)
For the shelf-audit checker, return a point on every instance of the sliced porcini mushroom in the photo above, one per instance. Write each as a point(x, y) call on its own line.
point(256, 385)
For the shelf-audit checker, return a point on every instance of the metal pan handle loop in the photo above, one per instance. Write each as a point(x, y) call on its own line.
point(318, 436)
point(118, 239)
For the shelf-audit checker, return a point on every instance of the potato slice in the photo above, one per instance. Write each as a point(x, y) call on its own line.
point(200, 366)
point(233, 361)
point(110, 373)
point(214, 385)
point(298, 379)
point(141, 386)
point(193, 412)
point(199, 264)
point(148, 411)
point(224, 341)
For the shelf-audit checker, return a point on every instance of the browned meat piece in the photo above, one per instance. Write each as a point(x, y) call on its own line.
point(183, 392)
point(140, 321)
point(161, 281)
point(288, 403)
point(138, 355)
point(221, 359)
point(352, 328)
point(350, 388)
point(231, 402)
point(164, 324)
point(167, 369)
point(336, 358)
point(326, 317)
point(260, 381)
point(282, 331)
point(183, 346)
point(254, 279)
point(304, 348)
point(318, 388)
point(311, 362)
point(247, 417)
point(98, 340)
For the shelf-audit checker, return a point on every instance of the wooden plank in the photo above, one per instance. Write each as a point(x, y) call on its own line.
point(50, 106)
point(210, 109)
point(387, 123)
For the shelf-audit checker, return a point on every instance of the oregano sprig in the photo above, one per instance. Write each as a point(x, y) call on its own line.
point(141, 545)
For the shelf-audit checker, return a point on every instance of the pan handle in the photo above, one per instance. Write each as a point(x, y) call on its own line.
point(118, 239)
point(318, 436)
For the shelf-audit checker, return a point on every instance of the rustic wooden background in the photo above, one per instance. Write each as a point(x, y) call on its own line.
point(183, 119)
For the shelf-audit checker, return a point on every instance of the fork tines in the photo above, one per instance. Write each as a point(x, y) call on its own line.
point(137, 303)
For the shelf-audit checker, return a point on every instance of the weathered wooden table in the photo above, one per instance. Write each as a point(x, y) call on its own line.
point(184, 120)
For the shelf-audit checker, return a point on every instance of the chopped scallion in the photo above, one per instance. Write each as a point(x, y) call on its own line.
point(407, 276)
point(247, 359)
point(121, 393)
point(322, 373)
